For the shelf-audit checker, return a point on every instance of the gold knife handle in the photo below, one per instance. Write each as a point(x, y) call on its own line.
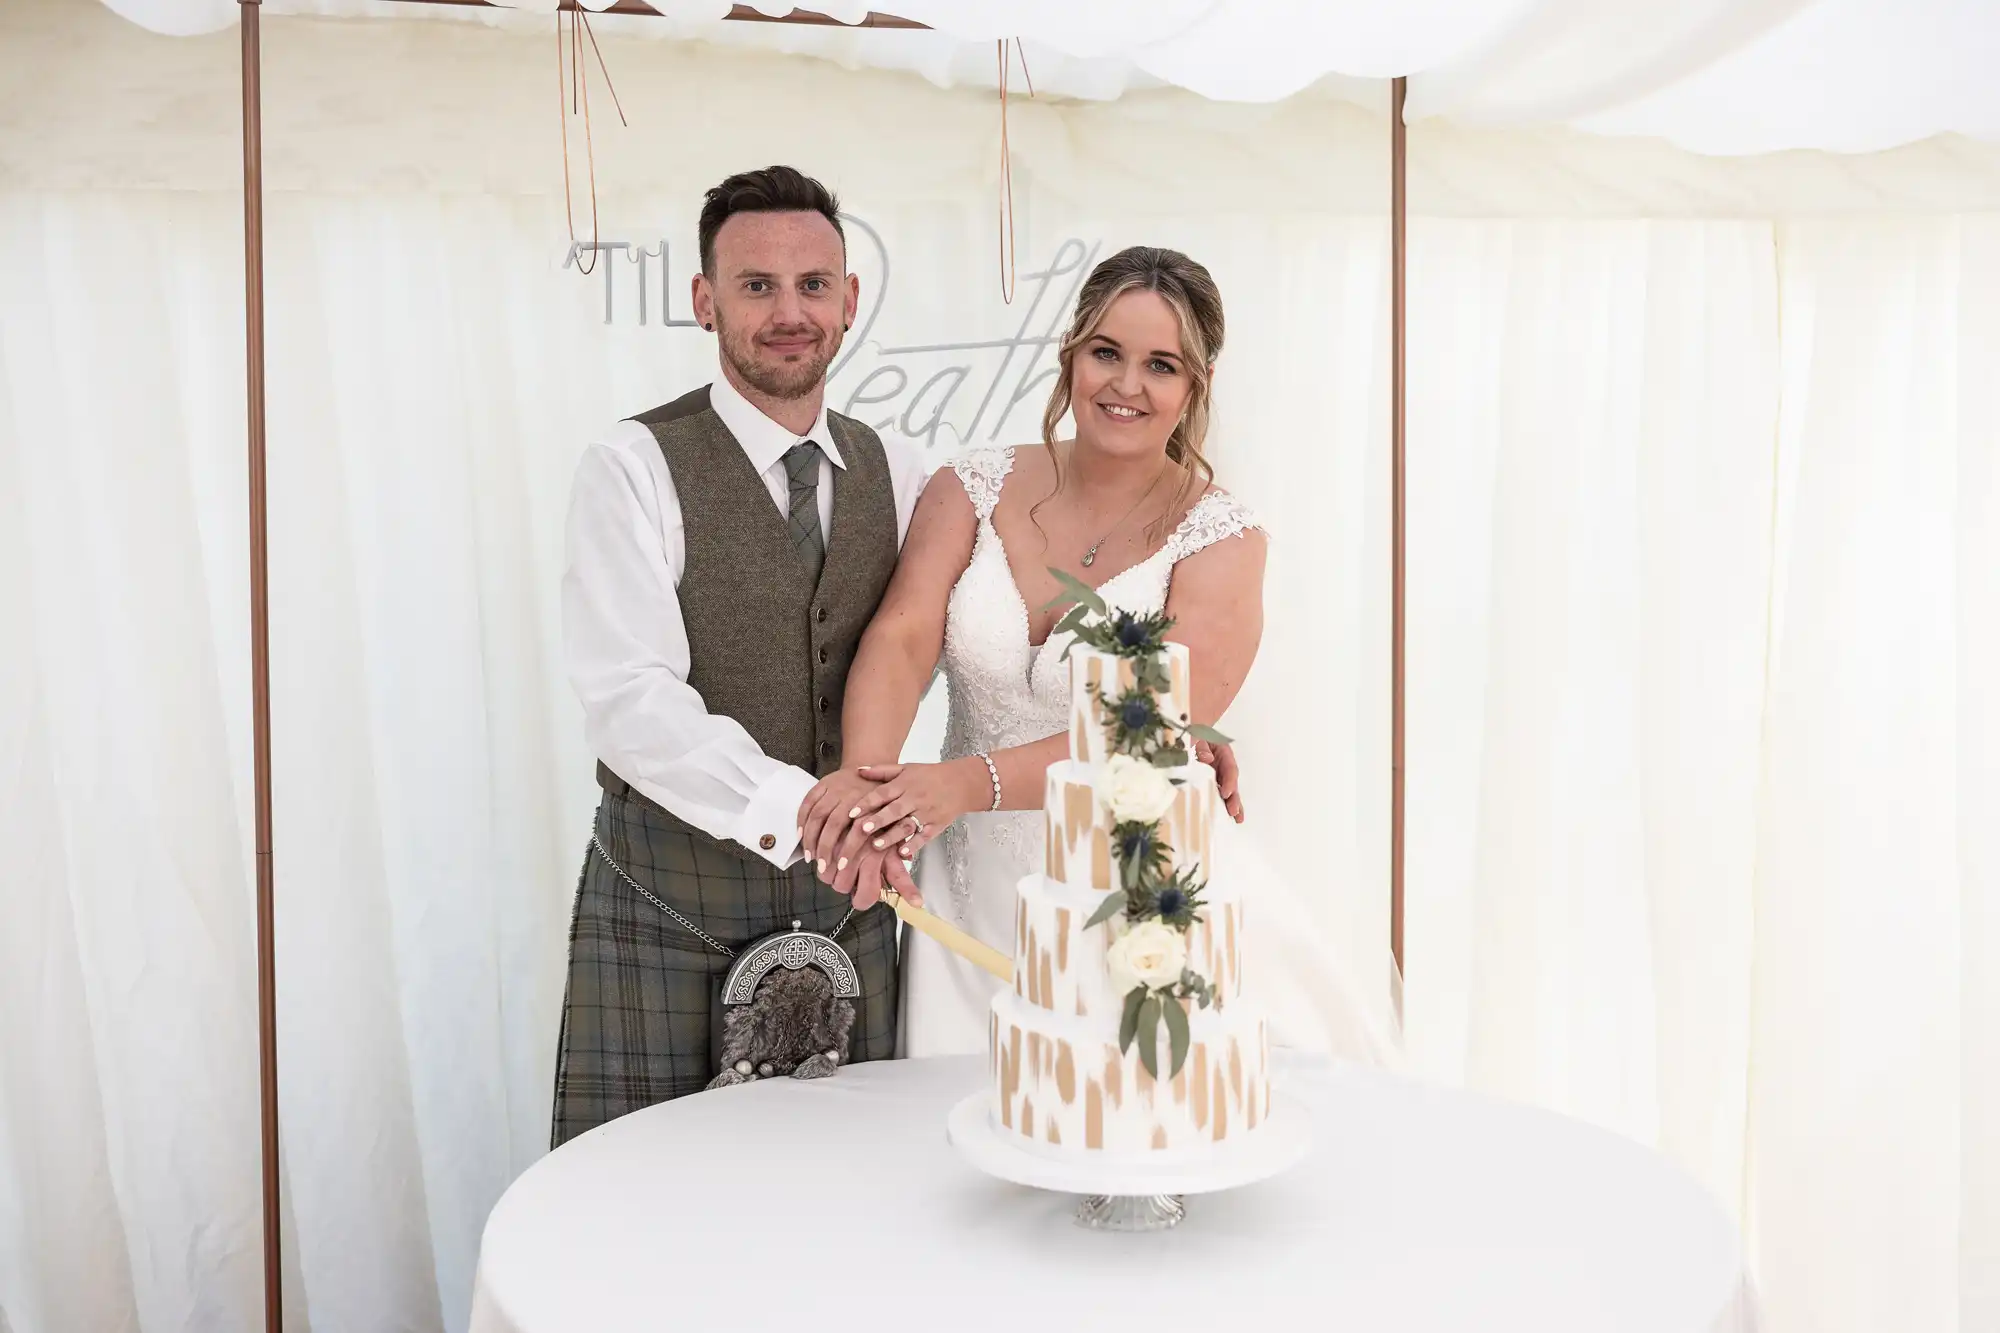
point(951, 937)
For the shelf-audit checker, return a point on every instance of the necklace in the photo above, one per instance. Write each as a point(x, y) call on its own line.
point(1090, 556)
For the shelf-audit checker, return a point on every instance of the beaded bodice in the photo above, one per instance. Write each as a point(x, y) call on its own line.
point(1006, 691)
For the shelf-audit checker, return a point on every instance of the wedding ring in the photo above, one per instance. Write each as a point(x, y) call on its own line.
point(918, 825)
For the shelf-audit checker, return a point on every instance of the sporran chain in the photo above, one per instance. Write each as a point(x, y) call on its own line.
point(682, 921)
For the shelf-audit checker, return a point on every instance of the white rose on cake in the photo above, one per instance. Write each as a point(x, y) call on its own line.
point(1134, 791)
point(1151, 954)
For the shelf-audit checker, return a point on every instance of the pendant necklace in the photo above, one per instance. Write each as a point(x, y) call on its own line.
point(1090, 556)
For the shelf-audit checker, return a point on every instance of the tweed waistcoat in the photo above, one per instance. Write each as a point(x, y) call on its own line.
point(767, 645)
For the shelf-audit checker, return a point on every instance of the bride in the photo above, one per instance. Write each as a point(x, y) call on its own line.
point(1129, 506)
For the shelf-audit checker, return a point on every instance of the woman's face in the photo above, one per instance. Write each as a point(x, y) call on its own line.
point(1129, 383)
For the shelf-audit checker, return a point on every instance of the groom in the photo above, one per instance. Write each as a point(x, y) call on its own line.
point(725, 551)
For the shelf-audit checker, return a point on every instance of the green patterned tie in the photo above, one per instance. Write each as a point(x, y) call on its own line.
point(802, 466)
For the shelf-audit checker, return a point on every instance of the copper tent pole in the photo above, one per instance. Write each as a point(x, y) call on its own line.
point(260, 647)
point(1399, 221)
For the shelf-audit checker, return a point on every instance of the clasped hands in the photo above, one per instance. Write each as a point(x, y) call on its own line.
point(860, 827)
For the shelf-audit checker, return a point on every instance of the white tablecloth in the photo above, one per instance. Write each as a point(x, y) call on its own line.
point(838, 1205)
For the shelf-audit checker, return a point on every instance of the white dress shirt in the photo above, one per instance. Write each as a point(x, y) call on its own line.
point(626, 645)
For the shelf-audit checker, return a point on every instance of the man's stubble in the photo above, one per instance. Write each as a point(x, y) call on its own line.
point(784, 382)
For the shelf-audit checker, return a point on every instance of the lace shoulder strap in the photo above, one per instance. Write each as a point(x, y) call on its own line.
point(981, 471)
point(1215, 516)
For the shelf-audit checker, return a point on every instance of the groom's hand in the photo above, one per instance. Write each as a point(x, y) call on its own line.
point(1223, 760)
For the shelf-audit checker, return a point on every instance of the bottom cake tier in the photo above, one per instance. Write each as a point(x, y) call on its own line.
point(1061, 1083)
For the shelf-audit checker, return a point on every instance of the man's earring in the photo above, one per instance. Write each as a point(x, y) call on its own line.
point(709, 327)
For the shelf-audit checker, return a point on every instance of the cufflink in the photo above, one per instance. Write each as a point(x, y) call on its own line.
point(768, 841)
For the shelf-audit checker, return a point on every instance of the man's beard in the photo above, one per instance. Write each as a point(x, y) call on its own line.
point(782, 380)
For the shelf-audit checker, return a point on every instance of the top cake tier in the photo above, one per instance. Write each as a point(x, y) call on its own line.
point(1099, 682)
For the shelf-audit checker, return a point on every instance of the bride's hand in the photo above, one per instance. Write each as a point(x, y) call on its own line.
point(906, 795)
point(824, 815)
point(876, 872)
point(1222, 759)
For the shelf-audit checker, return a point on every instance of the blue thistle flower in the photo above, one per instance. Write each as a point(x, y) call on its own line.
point(1134, 715)
point(1172, 902)
point(1131, 632)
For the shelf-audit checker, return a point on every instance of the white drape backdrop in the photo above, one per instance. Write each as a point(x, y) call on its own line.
point(1705, 622)
point(1703, 742)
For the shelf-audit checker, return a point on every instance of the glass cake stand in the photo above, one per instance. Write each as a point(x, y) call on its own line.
point(1131, 1195)
point(1131, 1212)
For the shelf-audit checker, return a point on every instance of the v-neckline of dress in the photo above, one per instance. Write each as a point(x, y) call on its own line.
point(1021, 599)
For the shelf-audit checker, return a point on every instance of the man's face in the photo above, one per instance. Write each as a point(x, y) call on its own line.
point(780, 299)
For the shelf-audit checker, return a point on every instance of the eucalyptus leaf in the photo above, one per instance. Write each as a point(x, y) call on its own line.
point(1175, 758)
point(1113, 904)
point(1149, 1034)
point(1073, 620)
point(1128, 1026)
point(1209, 734)
point(1075, 590)
point(1177, 1035)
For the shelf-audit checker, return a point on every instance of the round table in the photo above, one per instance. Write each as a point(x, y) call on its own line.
point(838, 1204)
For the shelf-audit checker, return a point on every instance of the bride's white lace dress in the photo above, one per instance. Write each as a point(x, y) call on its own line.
point(1005, 691)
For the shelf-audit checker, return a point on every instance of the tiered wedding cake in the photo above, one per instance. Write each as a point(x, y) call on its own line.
point(1126, 1034)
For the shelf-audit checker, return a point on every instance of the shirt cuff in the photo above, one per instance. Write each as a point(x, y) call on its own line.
point(770, 826)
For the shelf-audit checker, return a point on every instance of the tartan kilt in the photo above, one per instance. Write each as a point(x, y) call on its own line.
point(638, 1023)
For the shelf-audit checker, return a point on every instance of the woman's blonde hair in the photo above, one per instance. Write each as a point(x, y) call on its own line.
point(1191, 294)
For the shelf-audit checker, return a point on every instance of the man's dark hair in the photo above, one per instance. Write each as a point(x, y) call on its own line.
point(772, 190)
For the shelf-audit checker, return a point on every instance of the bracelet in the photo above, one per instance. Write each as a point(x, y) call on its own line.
point(993, 773)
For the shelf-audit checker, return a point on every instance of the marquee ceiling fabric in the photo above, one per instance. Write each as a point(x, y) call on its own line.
point(1714, 76)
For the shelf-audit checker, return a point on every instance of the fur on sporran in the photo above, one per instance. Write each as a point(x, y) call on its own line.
point(794, 1025)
